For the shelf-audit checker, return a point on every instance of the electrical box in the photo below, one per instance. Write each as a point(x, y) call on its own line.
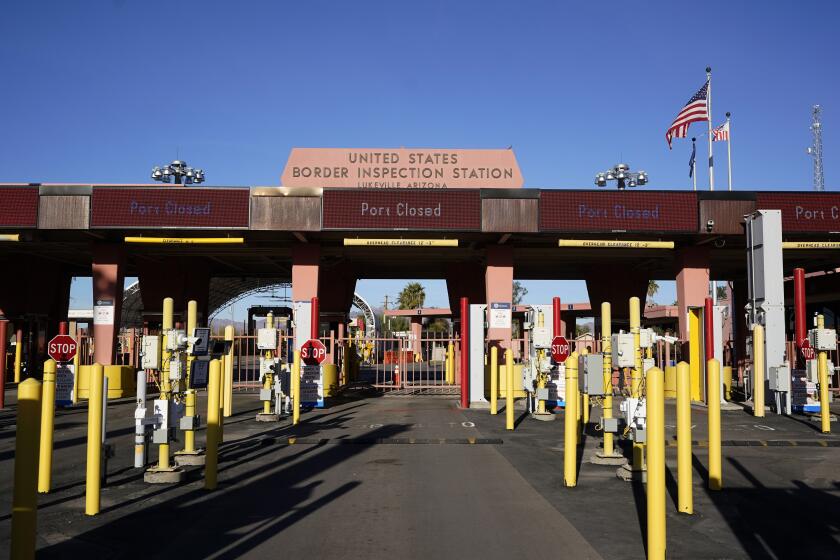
point(647, 363)
point(541, 338)
point(635, 414)
point(267, 339)
point(150, 352)
point(176, 339)
point(812, 371)
point(780, 377)
point(622, 350)
point(266, 394)
point(610, 425)
point(199, 374)
point(190, 423)
point(591, 370)
point(177, 368)
point(268, 367)
point(823, 340)
point(200, 342)
point(646, 338)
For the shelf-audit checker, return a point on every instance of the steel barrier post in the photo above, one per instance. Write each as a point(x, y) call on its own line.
point(685, 499)
point(509, 421)
point(636, 375)
point(47, 425)
point(494, 379)
point(189, 408)
point(655, 395)
point(465, 352)
point(228, 405)
point(758, 371)
point(822, 376)
point(76, 363)
point(296, 389)
point(94, 440)
point(571, 422)
point(800, 330)
point(211, 462)
point(713, 403)
point(25, 493)
point(18, 353)
point(606, 348)
point(315, 319)
point(584, 397)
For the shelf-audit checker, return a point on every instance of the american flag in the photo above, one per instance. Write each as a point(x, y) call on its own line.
point(721, 133)
point(695, 110)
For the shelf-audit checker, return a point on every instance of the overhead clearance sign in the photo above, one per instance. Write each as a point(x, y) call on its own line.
point(402, 168)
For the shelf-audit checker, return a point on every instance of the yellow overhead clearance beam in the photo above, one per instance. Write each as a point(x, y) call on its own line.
point(614, 244)
point(9, 237)
point(811, 245)
point(354, 242)
point(187, 240)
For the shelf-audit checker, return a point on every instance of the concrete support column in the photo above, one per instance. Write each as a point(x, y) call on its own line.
point(108, 279)
point(306, 259)
point(692, 282)
point(498, 280)
point(464, 280)
point(416, 334)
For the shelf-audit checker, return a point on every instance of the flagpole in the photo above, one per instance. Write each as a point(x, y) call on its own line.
point(694, 163)
point(729, 147)
point(709, 108)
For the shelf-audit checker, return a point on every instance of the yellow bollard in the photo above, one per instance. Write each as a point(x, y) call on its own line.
point(25, 493)
point(727, 383)
point(494, 380)
point(758, 371)
point(450, 364)
point(165, 386)
point(636, 375)
point(571, 422)
point(655, 396)
point(94, 440)
point(47, 424)
point(606, 348)
point(509, 421)
point(268, 379)
point(18, 353)
point(695, 359)
point(221, 399)
point(189, 408)
point(76, 362)
point(584, 409)
point(296, 389)
point(825, 413)
point(685, 500)
point(713, 401)
point(229, 334)
point(211, 462)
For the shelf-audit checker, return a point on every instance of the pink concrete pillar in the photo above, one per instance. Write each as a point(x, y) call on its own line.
point(692, 282)
point(306, 258)
point(416, 334)
point(498, 280)
point(108, 279)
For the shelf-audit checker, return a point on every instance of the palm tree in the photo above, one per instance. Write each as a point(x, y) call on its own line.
point(519, 292)
point(412, 296)
point(653, 287)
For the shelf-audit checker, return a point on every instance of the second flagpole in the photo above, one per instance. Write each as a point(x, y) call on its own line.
point(709, 108)
point(729, 147)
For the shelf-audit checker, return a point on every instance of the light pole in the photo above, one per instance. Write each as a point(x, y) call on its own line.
point(180, 171)
point(623, 176)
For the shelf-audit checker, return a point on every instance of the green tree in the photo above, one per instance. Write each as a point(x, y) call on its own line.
point(653, 288)
point(582, 329)
point(412, 296)
point(519, 292)
point(721, 292)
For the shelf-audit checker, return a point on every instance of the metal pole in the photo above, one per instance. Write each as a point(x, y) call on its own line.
point(570, 423)
point(25, 493)
point(139, 427)
point(822, 375)
point(709, 329)
point(212, 458)
point(296, 389)
point(758, 371)
point(713, 404)
point(494, 379)
point(606, 349)
point(189, 409)
point(709, 107)
point(509, 421)
point(165, 387)
point(655, 395)
point(228, 404)
point(636, 376)
point(685, 501)
point(465, 353)
point(94, 440)
point(47, 425)
point(18, 352)
point(315, 319)
point(799, 310)
point(76, 363)
point(729, 148)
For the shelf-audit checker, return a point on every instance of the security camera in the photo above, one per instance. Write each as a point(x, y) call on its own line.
point(710, 225)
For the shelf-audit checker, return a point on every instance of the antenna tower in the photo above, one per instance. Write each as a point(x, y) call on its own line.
point(816, 149)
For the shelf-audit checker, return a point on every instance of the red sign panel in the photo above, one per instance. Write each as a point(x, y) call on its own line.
point(62, 348)
point(443, 209)
point(19, 207)
point(181, 207)
point(802, 211)
point(807, 350)
point(313, 352)
point(594, 211)
point(560, 349)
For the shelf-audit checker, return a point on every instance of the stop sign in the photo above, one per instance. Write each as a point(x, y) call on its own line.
point(313, 352)
point(807, 351)
point(559, 349)
point(62, 348)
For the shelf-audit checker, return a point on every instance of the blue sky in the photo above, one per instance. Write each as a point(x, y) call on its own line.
point(102, 91)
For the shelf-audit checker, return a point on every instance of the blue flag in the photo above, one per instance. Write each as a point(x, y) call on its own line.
point(691, 161)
